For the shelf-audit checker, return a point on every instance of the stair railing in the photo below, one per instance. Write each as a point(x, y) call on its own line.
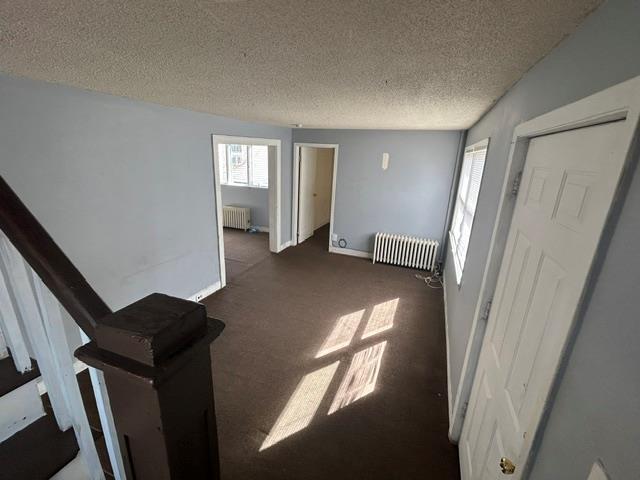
point(28, 306)
point(154, 354)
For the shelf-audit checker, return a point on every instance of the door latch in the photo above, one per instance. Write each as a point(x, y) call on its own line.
point(507, 466)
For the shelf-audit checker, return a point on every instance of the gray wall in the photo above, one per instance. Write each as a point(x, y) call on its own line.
point(410, 197)
point(255, 198)
point(596, 413)
point(124, 187)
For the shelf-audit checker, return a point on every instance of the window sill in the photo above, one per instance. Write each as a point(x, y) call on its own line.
point(244, 186)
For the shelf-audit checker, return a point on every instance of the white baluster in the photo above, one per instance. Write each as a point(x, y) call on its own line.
point(29, 317)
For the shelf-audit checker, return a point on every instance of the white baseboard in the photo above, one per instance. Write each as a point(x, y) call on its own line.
point(350, 252)
point(205, 292)
point(283, 246)
point(261, 228)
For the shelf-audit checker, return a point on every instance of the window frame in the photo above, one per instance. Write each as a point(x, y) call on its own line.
point(455, 244)
point(227, 160)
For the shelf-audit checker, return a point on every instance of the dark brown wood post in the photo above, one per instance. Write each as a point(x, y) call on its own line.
point(157, 367)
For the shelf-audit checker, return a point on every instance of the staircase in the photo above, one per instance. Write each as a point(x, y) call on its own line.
point(36, 356)
point(150, 359)
point(32, 446)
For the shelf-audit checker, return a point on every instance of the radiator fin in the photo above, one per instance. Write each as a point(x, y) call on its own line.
point(406, 251)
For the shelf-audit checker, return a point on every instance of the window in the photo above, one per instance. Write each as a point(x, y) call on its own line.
point(466, 201)
point(244, 165)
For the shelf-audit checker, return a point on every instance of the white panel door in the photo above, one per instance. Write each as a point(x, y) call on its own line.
point(567, 188)
point(306, 185)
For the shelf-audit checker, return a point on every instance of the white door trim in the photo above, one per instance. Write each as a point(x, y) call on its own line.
point(620, 102)
point(296, 186)
point(275, 194)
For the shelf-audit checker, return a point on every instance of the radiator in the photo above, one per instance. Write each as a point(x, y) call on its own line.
point(236, 217)
point(405, 251)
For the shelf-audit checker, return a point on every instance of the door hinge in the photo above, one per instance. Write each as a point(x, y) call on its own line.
point(515, 188)
point(487, 310)
point(464, 409)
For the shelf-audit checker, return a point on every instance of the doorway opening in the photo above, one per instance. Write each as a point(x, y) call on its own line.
point(247, 175)
point(315, 166)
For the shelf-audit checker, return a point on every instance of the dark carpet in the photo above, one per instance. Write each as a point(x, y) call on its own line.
point(373, 409)
point(242, 250)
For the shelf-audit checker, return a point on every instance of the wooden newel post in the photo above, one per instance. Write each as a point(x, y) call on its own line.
point(157, 367)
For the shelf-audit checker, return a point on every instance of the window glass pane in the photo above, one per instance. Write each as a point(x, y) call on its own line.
point(222, 162)
point(456, 224)
point(238, 165)
point(464, 176)
point(259, 166)
point(466, 203)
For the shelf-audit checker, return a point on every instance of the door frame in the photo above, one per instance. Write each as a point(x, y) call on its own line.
point(275, 194)
point(296, 186)
point(617, 103)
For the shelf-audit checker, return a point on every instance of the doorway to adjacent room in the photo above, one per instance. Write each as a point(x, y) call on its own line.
point(314, 180)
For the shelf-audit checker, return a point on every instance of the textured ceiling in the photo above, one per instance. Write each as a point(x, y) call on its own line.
point(405, 64)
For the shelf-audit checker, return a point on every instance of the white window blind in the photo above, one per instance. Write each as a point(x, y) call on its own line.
point(238, 164)
point(222, 160)
point(259, 167)
point(466, 202)
point(244, 165)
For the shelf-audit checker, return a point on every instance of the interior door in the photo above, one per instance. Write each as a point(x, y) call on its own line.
point(323, 187)
point(567, 188)
point(306, 185)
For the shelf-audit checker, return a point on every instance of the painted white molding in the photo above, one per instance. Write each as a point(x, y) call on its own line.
point(40, 315)
point(296, 187)
point(615, 103)
point(52, 320)
point(205, 292)
point(219, 218)
point(10, 324)
point(19, 280)
point(350, 252)
point(295, 193)
point(275, 192)
point(106, 418)
point(446, 335)
point(284, 245)
point(333, 195)
point(618, 103)
point(4, 351)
